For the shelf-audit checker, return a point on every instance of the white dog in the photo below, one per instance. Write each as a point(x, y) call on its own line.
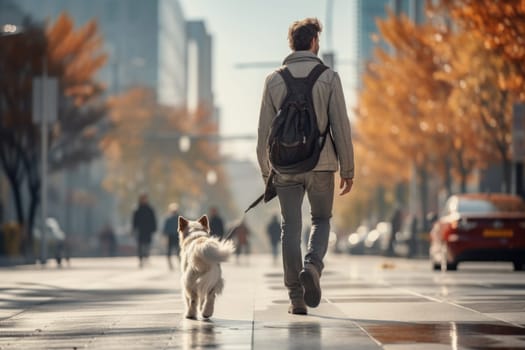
point(201, 256)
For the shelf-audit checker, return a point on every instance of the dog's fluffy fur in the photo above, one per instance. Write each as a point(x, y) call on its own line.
point(201, 256)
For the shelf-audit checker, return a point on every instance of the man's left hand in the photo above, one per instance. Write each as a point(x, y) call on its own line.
point(345, 186)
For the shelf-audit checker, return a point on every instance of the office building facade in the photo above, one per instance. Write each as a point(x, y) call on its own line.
point(145, 40)
point(368, 11)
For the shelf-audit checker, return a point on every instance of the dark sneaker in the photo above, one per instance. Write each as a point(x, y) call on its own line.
point(309, 278)
point(297, 307)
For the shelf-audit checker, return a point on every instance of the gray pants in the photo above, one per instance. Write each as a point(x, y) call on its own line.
point(319, 187)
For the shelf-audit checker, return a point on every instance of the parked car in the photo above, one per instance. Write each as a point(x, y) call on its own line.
point(479, 227)
point(57, 246)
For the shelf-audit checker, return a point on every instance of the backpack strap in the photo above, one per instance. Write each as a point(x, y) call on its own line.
point(314, 74)
point(312, 77)
point(287, 77)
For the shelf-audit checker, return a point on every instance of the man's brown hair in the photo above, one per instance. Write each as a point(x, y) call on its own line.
point(301, 33)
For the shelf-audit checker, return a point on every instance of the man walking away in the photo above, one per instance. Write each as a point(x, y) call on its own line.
point(144, 225)
point(330, 110)
point(171, 232)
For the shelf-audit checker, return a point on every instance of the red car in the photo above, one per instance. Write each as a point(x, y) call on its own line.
point(479, 227)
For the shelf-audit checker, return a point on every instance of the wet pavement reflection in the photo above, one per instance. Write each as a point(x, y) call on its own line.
point(363, 307)
point(214, 334)
point(199, 335)
point(457, 335)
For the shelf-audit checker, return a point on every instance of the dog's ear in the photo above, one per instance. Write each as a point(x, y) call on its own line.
point(183, 224)
point(204, 222)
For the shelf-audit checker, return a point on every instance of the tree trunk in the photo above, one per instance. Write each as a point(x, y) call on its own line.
point(423, 192)
point(463, 184)
point(33, 206)
point(381, 203)
point(507, 174)
point(463, 173)
point(33, 187)
point(17, 196)
point(448, 176)
point(10, 159)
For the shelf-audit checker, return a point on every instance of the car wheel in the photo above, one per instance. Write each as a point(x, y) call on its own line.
point(518, 265)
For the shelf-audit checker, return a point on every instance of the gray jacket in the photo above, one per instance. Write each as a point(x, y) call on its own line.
point(329, 104)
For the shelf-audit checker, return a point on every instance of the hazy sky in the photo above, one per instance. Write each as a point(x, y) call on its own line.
point(249, 30)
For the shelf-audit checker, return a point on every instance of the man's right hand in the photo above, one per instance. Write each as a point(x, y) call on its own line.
point(345, 186)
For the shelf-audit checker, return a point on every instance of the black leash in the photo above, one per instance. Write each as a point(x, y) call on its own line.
point(268, 195)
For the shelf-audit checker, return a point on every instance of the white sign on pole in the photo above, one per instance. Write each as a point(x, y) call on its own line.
point(51, 88)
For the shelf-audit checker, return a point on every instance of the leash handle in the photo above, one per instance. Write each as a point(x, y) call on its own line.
point(268, 195)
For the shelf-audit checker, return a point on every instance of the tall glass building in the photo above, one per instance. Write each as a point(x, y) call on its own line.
point(145, 40)
point(368, 11)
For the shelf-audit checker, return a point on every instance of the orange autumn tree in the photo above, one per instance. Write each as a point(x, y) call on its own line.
point(480, 103)
point(144, 154)
point(493, 73)
point(501, 27)
point(401, 118)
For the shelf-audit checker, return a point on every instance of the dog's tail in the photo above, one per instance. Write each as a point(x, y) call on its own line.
point(217, 251)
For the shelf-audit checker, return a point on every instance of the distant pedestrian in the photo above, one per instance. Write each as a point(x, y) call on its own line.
point(325, 100)
point(216, 223)
point(144, 224)
point(241, 235)
point(108, 241)
point(395, 224)
point(171, 232)
point(1, 213)
point(274, 234)
point(57, 240)
point(413, 240)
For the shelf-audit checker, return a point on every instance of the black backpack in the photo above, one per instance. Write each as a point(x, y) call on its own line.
point(295, 142)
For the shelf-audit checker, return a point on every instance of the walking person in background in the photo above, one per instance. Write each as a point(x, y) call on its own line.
point(107, 241)
point(171, 232)
point(274, 234)
point(216, 223)
point(326, 101)
point(144, 224)
point(241, 235)
point(395, 222)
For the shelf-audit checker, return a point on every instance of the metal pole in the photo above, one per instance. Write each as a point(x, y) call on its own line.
point(43, 183)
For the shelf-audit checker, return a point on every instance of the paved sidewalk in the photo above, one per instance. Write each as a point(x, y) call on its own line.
point(368, 303)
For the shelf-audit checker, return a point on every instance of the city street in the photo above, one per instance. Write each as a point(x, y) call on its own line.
point(368, 303)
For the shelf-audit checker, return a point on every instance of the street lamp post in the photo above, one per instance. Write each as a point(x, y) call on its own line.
point(44, 111)
point(43, 184)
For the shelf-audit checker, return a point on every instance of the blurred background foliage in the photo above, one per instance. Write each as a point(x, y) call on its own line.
point(439, 100)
